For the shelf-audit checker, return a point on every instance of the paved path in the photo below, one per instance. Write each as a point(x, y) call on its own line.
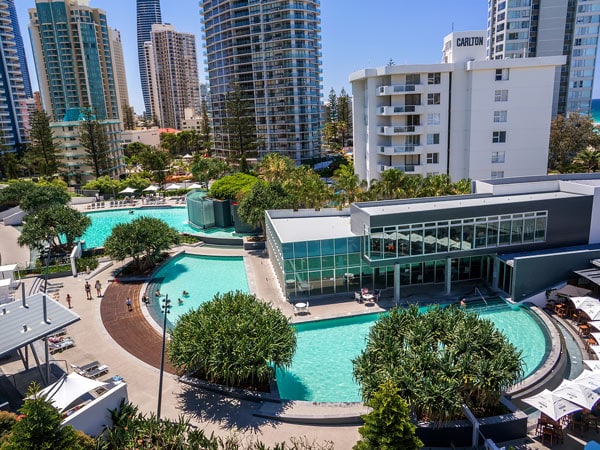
point(10, 251)
point(130, 329)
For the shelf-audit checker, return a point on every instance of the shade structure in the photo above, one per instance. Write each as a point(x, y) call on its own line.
point(187, 156)
point(577, 393)
point(128, 190)
point(68, 389)
point(580, 301)
point(551, 404)
point(595, 324)
point(591, 309)
point(589, 378)
point(572, 291)
point(151, 188)
point(194, 186)
point(595, 349)
point(592, 364)
point(172, 187)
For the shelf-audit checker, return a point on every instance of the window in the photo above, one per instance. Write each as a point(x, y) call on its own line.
point(433, 139)
point(433, 158)
point(433, 99)
point(434, 78)
point(500, 116)
point(499, 137)
point(497, 157)
point(497, 174)
point(501, 95)
point(501, 74)
point(433, 119)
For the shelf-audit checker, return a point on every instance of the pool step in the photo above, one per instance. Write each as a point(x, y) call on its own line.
point(313, 413)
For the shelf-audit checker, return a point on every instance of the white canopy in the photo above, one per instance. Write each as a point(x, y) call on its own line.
point(577, 393)
point(128, 190)
point(595, 349)
point(187, 156)
point(579, 301)
point(194, 186)
point(152, 188)
point(592, 364)
point(68, 389)
point(172, 187)
point(589, 378)
point(551, 404)
point(595, 324)
point(591, 309)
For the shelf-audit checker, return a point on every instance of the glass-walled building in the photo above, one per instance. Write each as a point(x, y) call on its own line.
point(388, 244)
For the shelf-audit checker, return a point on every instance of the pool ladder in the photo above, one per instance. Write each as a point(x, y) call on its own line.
point(481, 295)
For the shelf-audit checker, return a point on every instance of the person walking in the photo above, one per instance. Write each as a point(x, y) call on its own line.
point(69, 300)
point(128, 303)
point(98, 287)
point(88, 290)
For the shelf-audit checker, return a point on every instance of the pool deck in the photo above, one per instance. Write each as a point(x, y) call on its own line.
point(130, 346)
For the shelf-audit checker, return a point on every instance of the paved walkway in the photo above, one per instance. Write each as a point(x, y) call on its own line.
point(10, 251)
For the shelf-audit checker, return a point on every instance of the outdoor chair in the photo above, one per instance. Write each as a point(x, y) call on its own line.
point(358, 297)
point(64, 344)
point(97, 372)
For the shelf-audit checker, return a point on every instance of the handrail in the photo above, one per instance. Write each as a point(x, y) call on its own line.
point(481, 295)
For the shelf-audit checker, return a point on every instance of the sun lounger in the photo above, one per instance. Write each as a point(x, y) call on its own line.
point(61, 345)
point(84, 369)
point(97, 372)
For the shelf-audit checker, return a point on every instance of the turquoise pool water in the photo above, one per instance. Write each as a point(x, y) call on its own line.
point(322, 366)
point(104, 221)
point(201, 276)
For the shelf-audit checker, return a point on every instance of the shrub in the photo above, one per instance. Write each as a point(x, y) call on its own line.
point(83, 263)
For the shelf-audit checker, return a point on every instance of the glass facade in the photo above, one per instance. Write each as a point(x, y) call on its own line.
point(448, 236)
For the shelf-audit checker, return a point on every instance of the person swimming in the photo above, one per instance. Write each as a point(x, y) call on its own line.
point(131, 211)
point(463, 303)
point(179, 301)
point(185, 293)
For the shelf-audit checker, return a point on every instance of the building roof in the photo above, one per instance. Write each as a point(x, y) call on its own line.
point(592, 274)
point(20, 326)
point(298, 229)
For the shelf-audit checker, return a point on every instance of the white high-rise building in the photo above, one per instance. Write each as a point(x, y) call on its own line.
point(116, 50)
point(530, 28)
point(468, 117)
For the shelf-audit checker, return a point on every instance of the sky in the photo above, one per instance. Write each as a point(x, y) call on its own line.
point(355, 34)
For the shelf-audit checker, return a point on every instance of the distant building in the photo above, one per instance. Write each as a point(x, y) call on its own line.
point(530, 28)
point(272, 51)
point(147, 14)
point(116, 49)
point(191, 121)
point(172, 66)
point(13, 71)
point(16, 31)
point(74, 60)
point(149, 136)
point(74, 156)
point(467, 117)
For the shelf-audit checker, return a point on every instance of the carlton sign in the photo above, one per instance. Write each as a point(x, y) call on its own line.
point(469, 41)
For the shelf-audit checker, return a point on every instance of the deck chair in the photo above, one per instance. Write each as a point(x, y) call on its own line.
point(97, 372)
point(358, 297)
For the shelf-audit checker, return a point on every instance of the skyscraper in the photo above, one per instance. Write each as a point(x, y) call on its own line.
point(148, 13)
point(271, 50)
point(116, 50)
point(20, 49)
point(173, 74)
point(13, 105)
point(73, 59)
point(528, 28)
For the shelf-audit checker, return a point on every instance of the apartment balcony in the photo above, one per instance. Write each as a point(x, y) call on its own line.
point(400, 89)
point(406, 168)
point(402, 130)
point(399, 110)
point(399, 149)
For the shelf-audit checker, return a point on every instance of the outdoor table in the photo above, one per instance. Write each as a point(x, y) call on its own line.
point(368, 296)
point(584, 330)
point(300, 307)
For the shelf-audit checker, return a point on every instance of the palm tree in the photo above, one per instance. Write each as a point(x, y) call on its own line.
point(390, 186)
point(275, 167)
point(347, 185)
point(587, 160)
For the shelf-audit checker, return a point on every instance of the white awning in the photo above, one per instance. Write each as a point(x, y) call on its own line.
point(68, 389)
point(551, 404)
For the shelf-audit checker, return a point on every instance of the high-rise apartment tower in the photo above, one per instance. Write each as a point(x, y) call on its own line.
point(148, 13)
point(271, 50)
point(528, 28)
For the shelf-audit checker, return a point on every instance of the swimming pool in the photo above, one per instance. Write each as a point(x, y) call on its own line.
point(104, 221)
point(321, 369)
point(201, 276)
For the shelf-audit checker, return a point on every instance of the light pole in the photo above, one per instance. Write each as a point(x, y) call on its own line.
point(165, 310)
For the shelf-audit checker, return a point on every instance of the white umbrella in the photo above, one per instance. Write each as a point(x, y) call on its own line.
point(592, 364)
point(589, 378)
point(187, 156)
point(595, 324)
point(68, 389)
point(579, 301)
point(591, 309)
point(551, 404)
point(194, 186)
point(128, 190)
point(577, 393)
point(595, 349)
point(151, 188)
point(172, 187)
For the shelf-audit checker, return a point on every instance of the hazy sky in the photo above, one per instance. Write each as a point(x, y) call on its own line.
point(355, 33)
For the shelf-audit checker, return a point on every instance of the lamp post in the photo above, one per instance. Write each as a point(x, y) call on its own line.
point(165, 310)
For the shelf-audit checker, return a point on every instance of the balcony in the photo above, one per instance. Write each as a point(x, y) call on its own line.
point(401, 130)
point(399, 149)
point(399, 89)
point(406, 168)
point(399, 110)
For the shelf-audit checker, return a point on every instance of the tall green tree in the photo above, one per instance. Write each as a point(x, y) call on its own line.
point(240, 122)
point(306, 189)
point(232, 187)
point(347, 185)
point(587, 160)
point(205, 128)
point(128, 122)
point(155, 162)
point(569, 136)
point(9, 165)
point(42, 153)
point(40, 427)
point(275, 167)
point(38, 196)
point(388, 425)
point(332, 107)
point(344, 117)
point(263, 196)
point(206, 169)
point(94, 140)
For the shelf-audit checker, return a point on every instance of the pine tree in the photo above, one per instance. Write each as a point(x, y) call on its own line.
point(344, 127)
point(205, 129)
point(42, 153)
point(240, 123)
point(93, 138)
point(333, 107)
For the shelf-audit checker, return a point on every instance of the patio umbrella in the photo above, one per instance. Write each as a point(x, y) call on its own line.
point(128, 190)
point(593, 364)
point(592, 309)
point(579, 301)
point(577, 393)
point(595, 324)
point(551, 404)
point(172, 187)
point(589, 378)
point(194, 186)
point(595, 349)
point(151, 188)
point(187, 156)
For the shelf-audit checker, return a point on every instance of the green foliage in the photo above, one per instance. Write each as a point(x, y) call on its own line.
point(306, 189)
point(7, 420)
point(232, 186)
point(587, 160)
point(94, 139)
point(40, 427)
point(83, 263)
point(9, 165)
point(135, 148)
point(42, 153)
point(275, 167)
point(206, 129)
point(263, 196)
point(109, 186)
point(388, 425)
point(154, 161)
point(396, 184)
point(206, 169)
point(439, 360)
point(347, 185)
point(240, 122)
point(14, 192)
point(569, 136)
point(144, 240)
point(234, 339)
point(40, 196)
